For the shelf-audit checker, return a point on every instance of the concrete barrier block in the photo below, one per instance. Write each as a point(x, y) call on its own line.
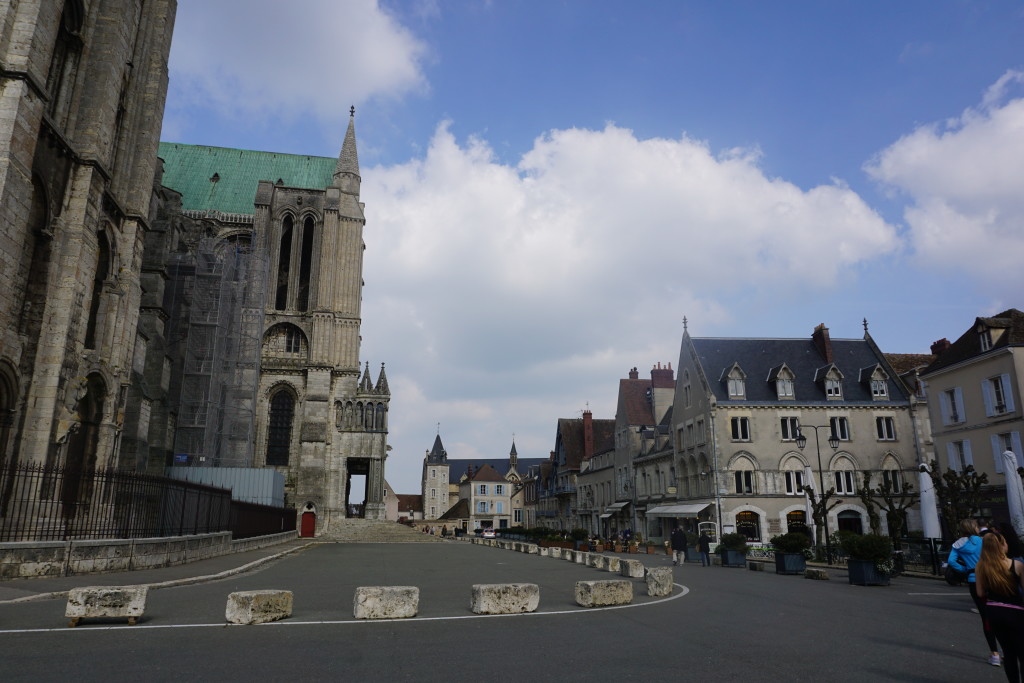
point(258, 607)
point(106, 601)
point(755, 566)
point(634, 569)
point(613, 564)
point(817, 574)
point(532, 549)
point(582, 557)
point(386, 602)
point(597, 561)
point(604, 593)
point(659, 581)
point(504, 598)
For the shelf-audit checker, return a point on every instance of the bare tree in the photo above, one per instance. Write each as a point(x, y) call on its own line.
point(958, 493)
point(820, 509)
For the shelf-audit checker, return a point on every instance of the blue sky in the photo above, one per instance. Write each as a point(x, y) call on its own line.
point(552, 186)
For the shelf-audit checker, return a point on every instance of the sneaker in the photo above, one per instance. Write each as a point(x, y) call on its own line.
point(994, 660)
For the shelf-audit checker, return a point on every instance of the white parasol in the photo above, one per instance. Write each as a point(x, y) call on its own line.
point(1014, 491)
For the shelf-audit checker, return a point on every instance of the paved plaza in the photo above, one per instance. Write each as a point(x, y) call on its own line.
point(720, 624)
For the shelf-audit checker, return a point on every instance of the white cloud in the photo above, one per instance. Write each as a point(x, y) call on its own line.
point(250, 61)
point(510, 296)
point(965, 178)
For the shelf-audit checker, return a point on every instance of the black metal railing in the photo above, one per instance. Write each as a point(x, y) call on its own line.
point(252, 519)
point(48, 503)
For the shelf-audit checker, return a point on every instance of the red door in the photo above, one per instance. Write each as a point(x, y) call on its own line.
point(308, 528)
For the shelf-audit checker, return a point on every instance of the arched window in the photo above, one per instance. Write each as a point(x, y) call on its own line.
point(793, 476)
point(850, 520)
point(749, 524)
point(102, 270)
point(744, 479)
point(61, 77)
point(284, 261)
point(8, 398)
point(796, 522)
point(279, 431)
point(305, 264)
point(844, 476)
point(379, 422)
point(83, 446)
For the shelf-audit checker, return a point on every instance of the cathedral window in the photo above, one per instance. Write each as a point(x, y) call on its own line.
point(279, 436)
point(102, 269)
point(305, 264)
point(284, 264)
point(292, 340)
point(64, 63)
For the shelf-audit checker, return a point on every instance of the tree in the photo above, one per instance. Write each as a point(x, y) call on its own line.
point(820, 509)
point(866, 497)
point(894, 503)
point(958, 493)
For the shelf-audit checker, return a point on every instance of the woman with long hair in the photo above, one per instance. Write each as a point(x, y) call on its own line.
point(999, 582)
point(964, 556)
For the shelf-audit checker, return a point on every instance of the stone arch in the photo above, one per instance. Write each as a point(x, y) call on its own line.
point(284, 262)
point(286, 340)
point(750, 521)
point(82, 445)
point(8, 406)
point(380, 421)
point(307, 242)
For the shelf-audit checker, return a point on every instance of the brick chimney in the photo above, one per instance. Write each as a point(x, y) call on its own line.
point(940, 347)
point(469, 471)
point(634, 374)
point(663, 378)
point(822, 342)
point(588, 434)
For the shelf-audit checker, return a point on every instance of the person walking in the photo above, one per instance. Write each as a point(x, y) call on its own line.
point(1000, 581)
point(964, 556)
point(678, 539)
point(704, 546)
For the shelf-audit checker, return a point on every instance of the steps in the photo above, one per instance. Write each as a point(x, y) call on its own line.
point(373, 531)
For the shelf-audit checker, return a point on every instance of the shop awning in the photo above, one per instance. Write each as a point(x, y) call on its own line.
point(606, 515)
point(691, 510)
point(616, 507)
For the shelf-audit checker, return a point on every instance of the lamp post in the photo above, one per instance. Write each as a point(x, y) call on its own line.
point(833, 441)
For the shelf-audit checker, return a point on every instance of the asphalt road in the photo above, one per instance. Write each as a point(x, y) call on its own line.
point(720, 624)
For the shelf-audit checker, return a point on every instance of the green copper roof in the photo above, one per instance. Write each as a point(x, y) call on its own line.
point(225, 179)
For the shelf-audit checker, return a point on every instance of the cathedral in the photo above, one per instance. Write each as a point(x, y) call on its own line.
point(165, 306)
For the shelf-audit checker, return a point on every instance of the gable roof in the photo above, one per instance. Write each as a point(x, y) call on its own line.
point(634, 405)
point(487, 473)
point(759, 357)
point(458, 468)
point(190, 169)
point(458, 511)
point(969, 343)
point(570, 436)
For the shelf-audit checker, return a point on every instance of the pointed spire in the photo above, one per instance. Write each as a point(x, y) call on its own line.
point(437, 455)
point(382, 382)
point(346, 173)
point(365, 384)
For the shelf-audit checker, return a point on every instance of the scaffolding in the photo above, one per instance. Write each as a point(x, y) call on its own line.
point(220, 288)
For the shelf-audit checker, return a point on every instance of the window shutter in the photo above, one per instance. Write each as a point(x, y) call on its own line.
point(968, 458)
point(1015, 437)
point(997, 452)
point(944, 408)
point(1008, 397)
point(986, 392)
point(958, 396)
point(951, 459)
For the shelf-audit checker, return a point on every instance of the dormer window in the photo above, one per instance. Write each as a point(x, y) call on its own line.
point(833, 388)
point(876, 378)
point(737, 382)
point(985, 339)
point(784, 388)
point(831, 380)
point(784, 382)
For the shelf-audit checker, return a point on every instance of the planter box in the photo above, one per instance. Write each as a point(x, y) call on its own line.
point(790, 563)
point(734, 558)
point(651, 549)
point(618, 547)
point(863, 573)
point(598, 547)
point(692, 555)
point(634, 549)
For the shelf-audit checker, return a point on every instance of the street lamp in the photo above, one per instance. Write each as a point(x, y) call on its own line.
point(833, 441)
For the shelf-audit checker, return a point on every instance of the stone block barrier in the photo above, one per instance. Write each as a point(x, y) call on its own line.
point(106, 601)
point(604, 593)
point(613, 564)
point(634, 569)
point(386, 602)
point(598, 561)
point(504, 598)
point(258, 607)
point(817, 574)
point(581, 557)
point(659, 581)
point(755, 566)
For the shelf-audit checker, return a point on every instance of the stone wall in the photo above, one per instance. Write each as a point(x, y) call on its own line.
point(68, 558)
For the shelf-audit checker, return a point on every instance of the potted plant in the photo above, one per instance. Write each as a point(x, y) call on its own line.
point(733, 550)
point(618, 546)
point(870, 562)
point(651, 547)
point(790, 555)
point(692, 551)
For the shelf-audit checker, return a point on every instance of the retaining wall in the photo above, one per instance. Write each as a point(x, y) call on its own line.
point(27, 559)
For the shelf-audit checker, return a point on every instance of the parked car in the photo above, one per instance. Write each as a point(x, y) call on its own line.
point(489, 533)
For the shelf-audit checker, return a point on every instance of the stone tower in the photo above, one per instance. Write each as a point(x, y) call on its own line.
point(320, 417)
point(435, 481)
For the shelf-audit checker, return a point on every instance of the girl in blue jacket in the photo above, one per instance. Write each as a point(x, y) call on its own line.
point(964, 556)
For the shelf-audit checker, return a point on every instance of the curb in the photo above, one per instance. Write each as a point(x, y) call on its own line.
point(174, 582)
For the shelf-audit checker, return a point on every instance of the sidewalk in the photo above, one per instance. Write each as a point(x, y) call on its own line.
point(22, 590)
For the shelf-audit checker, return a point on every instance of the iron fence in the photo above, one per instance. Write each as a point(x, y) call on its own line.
point(50, 503)
point(253, 519)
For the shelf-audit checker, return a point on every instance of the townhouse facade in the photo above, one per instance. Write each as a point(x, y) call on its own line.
point(576, 440)
point(974, 401)
point(741, 406)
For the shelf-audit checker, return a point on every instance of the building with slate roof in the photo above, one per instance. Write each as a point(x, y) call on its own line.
point(740, 406)
point(576, 441)
point(974, 398)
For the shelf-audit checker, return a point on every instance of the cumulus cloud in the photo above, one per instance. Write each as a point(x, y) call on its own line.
point(965, 179)
point(500, 283)
point(319, 59)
